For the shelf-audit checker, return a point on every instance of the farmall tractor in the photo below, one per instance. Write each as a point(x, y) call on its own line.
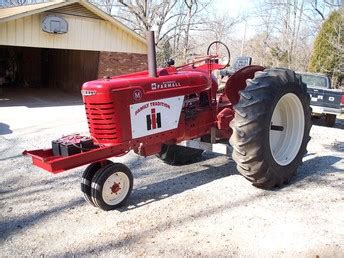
point(176, 113)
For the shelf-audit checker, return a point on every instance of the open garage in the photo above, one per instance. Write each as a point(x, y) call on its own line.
point(47, 68)
point(60, 45)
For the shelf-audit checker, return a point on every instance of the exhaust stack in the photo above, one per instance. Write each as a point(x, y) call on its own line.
point(151, 54)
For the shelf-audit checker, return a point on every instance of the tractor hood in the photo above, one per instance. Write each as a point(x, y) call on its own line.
point(141, 86)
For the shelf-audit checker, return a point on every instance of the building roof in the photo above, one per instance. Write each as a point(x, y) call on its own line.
point(12, 13)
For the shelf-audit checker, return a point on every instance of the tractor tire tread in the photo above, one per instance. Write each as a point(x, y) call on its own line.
point(249, 138)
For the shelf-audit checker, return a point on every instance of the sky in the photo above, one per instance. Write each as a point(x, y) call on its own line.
point(234, 8)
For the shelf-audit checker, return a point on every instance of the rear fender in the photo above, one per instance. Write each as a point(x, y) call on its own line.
point(237, 81)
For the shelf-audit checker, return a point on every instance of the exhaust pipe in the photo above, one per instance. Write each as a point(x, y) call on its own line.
point(151, 54)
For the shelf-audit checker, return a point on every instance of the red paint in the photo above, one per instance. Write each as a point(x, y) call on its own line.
point(115, 187)
point(237, 82)
point(153, 114)
point(108, 113)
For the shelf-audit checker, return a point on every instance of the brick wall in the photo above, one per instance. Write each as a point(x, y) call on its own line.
point(113, 63)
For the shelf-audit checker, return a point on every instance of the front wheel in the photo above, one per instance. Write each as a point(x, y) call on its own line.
point(87, 176)
point(111, 186)
point(271, 128)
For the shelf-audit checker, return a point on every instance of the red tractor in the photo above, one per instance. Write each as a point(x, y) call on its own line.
point(177, 112)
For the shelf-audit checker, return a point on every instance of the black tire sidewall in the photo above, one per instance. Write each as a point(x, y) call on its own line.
point(100, 178)
point(252, 124)
point(88, 175)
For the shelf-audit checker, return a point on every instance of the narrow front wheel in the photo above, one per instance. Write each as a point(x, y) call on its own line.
point(87, 176)
point(112, 186)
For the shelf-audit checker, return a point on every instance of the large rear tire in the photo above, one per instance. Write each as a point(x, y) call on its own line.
point(179, 155)
point(271, 128)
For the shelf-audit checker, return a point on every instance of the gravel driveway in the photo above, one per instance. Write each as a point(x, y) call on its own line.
point(201, 209)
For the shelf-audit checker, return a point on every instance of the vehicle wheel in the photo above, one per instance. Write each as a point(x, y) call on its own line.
point(330, 120)
point(87, 176)
point(179, 155)
point(271, 128)
point(111, 186)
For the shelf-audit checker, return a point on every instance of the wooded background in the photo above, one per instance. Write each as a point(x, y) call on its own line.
point(303, 35)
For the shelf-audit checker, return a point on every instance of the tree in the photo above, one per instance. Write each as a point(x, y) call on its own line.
point(328, 51)
point(142, 15)
point(288, 28)
point(325, 5)
point(106, 5)
point(176, 22)
point(281, 24)
point(164, 54)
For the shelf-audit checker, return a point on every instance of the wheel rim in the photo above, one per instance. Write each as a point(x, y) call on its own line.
point(287, 129)
point(116, 188)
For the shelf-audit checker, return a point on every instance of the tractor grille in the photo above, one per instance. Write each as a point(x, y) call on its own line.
point(101, 120)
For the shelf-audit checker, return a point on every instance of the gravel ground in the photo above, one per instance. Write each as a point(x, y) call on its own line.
point(202, 209)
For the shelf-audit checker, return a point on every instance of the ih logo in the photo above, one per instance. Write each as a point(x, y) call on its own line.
point(153, 120)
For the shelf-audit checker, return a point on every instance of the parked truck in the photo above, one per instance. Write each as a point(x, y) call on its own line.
point(325, 101)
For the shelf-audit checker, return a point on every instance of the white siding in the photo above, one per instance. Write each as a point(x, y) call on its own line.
point(84, 33)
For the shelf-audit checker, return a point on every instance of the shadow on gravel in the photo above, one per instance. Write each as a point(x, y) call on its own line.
point(167, 188)
point(13, 193)
point(337, 146)
point(129, 240)
point(13, 225)
point(320, 121)
point(11, 157)
point(18, 192)
point(315, 168)
point(5, 129)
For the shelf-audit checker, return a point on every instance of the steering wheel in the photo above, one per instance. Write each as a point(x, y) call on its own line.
point(220, 52)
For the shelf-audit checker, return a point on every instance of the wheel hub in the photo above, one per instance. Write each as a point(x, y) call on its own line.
point(287, 129)
point(115, 188)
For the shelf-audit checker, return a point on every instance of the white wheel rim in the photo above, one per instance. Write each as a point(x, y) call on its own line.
point(115, 188)
point(289, 115)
